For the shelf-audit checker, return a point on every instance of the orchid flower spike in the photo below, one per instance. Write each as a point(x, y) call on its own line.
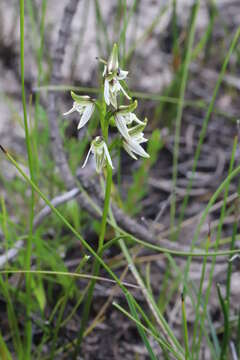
point(124, 116)
point(84, 105)
point(112, 75)
point(101, 154)
point(136, 137)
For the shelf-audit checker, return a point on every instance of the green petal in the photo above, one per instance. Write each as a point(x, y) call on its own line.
point(113, 60)
point(129, 108)
point(81, 99)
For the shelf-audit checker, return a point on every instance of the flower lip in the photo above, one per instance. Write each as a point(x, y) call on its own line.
point(121, 125)
point(84, 105)
point(133, 146)
point(87, 113)
point(124, 117)
point(101, 154)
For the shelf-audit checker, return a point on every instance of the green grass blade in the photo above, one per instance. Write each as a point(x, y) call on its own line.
point(140, 329)
point(162, 343)
point(226, 324)
point(185, 329)
point(180, 111)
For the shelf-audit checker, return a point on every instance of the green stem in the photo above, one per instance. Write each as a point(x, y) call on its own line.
point(28, 328)
point(106, 208)
point(185, 329)
point(96, 265)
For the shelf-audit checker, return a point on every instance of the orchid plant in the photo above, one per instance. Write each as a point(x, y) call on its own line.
point(124, 118)
point(131, 133)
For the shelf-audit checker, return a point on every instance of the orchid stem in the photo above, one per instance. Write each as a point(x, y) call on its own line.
point(96, 265)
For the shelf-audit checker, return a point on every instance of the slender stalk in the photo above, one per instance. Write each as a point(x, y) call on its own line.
point(175, 252)
point(238, 334)
point(185, 329)
point(28, 327)
point(106, 208)
point(37, 99)
point(4, 352)
point(140, 330)
point(224, 344)
point(179, 113)
point(96, 265)
point(199, 296)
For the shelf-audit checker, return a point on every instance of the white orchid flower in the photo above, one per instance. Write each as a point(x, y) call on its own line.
point(84, 105)
point(136, 137)
point(113, 74)
point(101, 154)
point(124, 116)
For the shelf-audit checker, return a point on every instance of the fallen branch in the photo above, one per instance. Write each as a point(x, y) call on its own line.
point(13, 252)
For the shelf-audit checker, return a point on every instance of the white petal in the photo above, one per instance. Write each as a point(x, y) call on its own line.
point(70, 111)
point(122, 127)
point(134, 118)
point(128, 150)
point(86, 115)
point(122, 75)
point(106, 92)
point(139, 138)
point(108, 155)
point(86, 160)
point(124, 92)
point(143, 140)
point(135, 147)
